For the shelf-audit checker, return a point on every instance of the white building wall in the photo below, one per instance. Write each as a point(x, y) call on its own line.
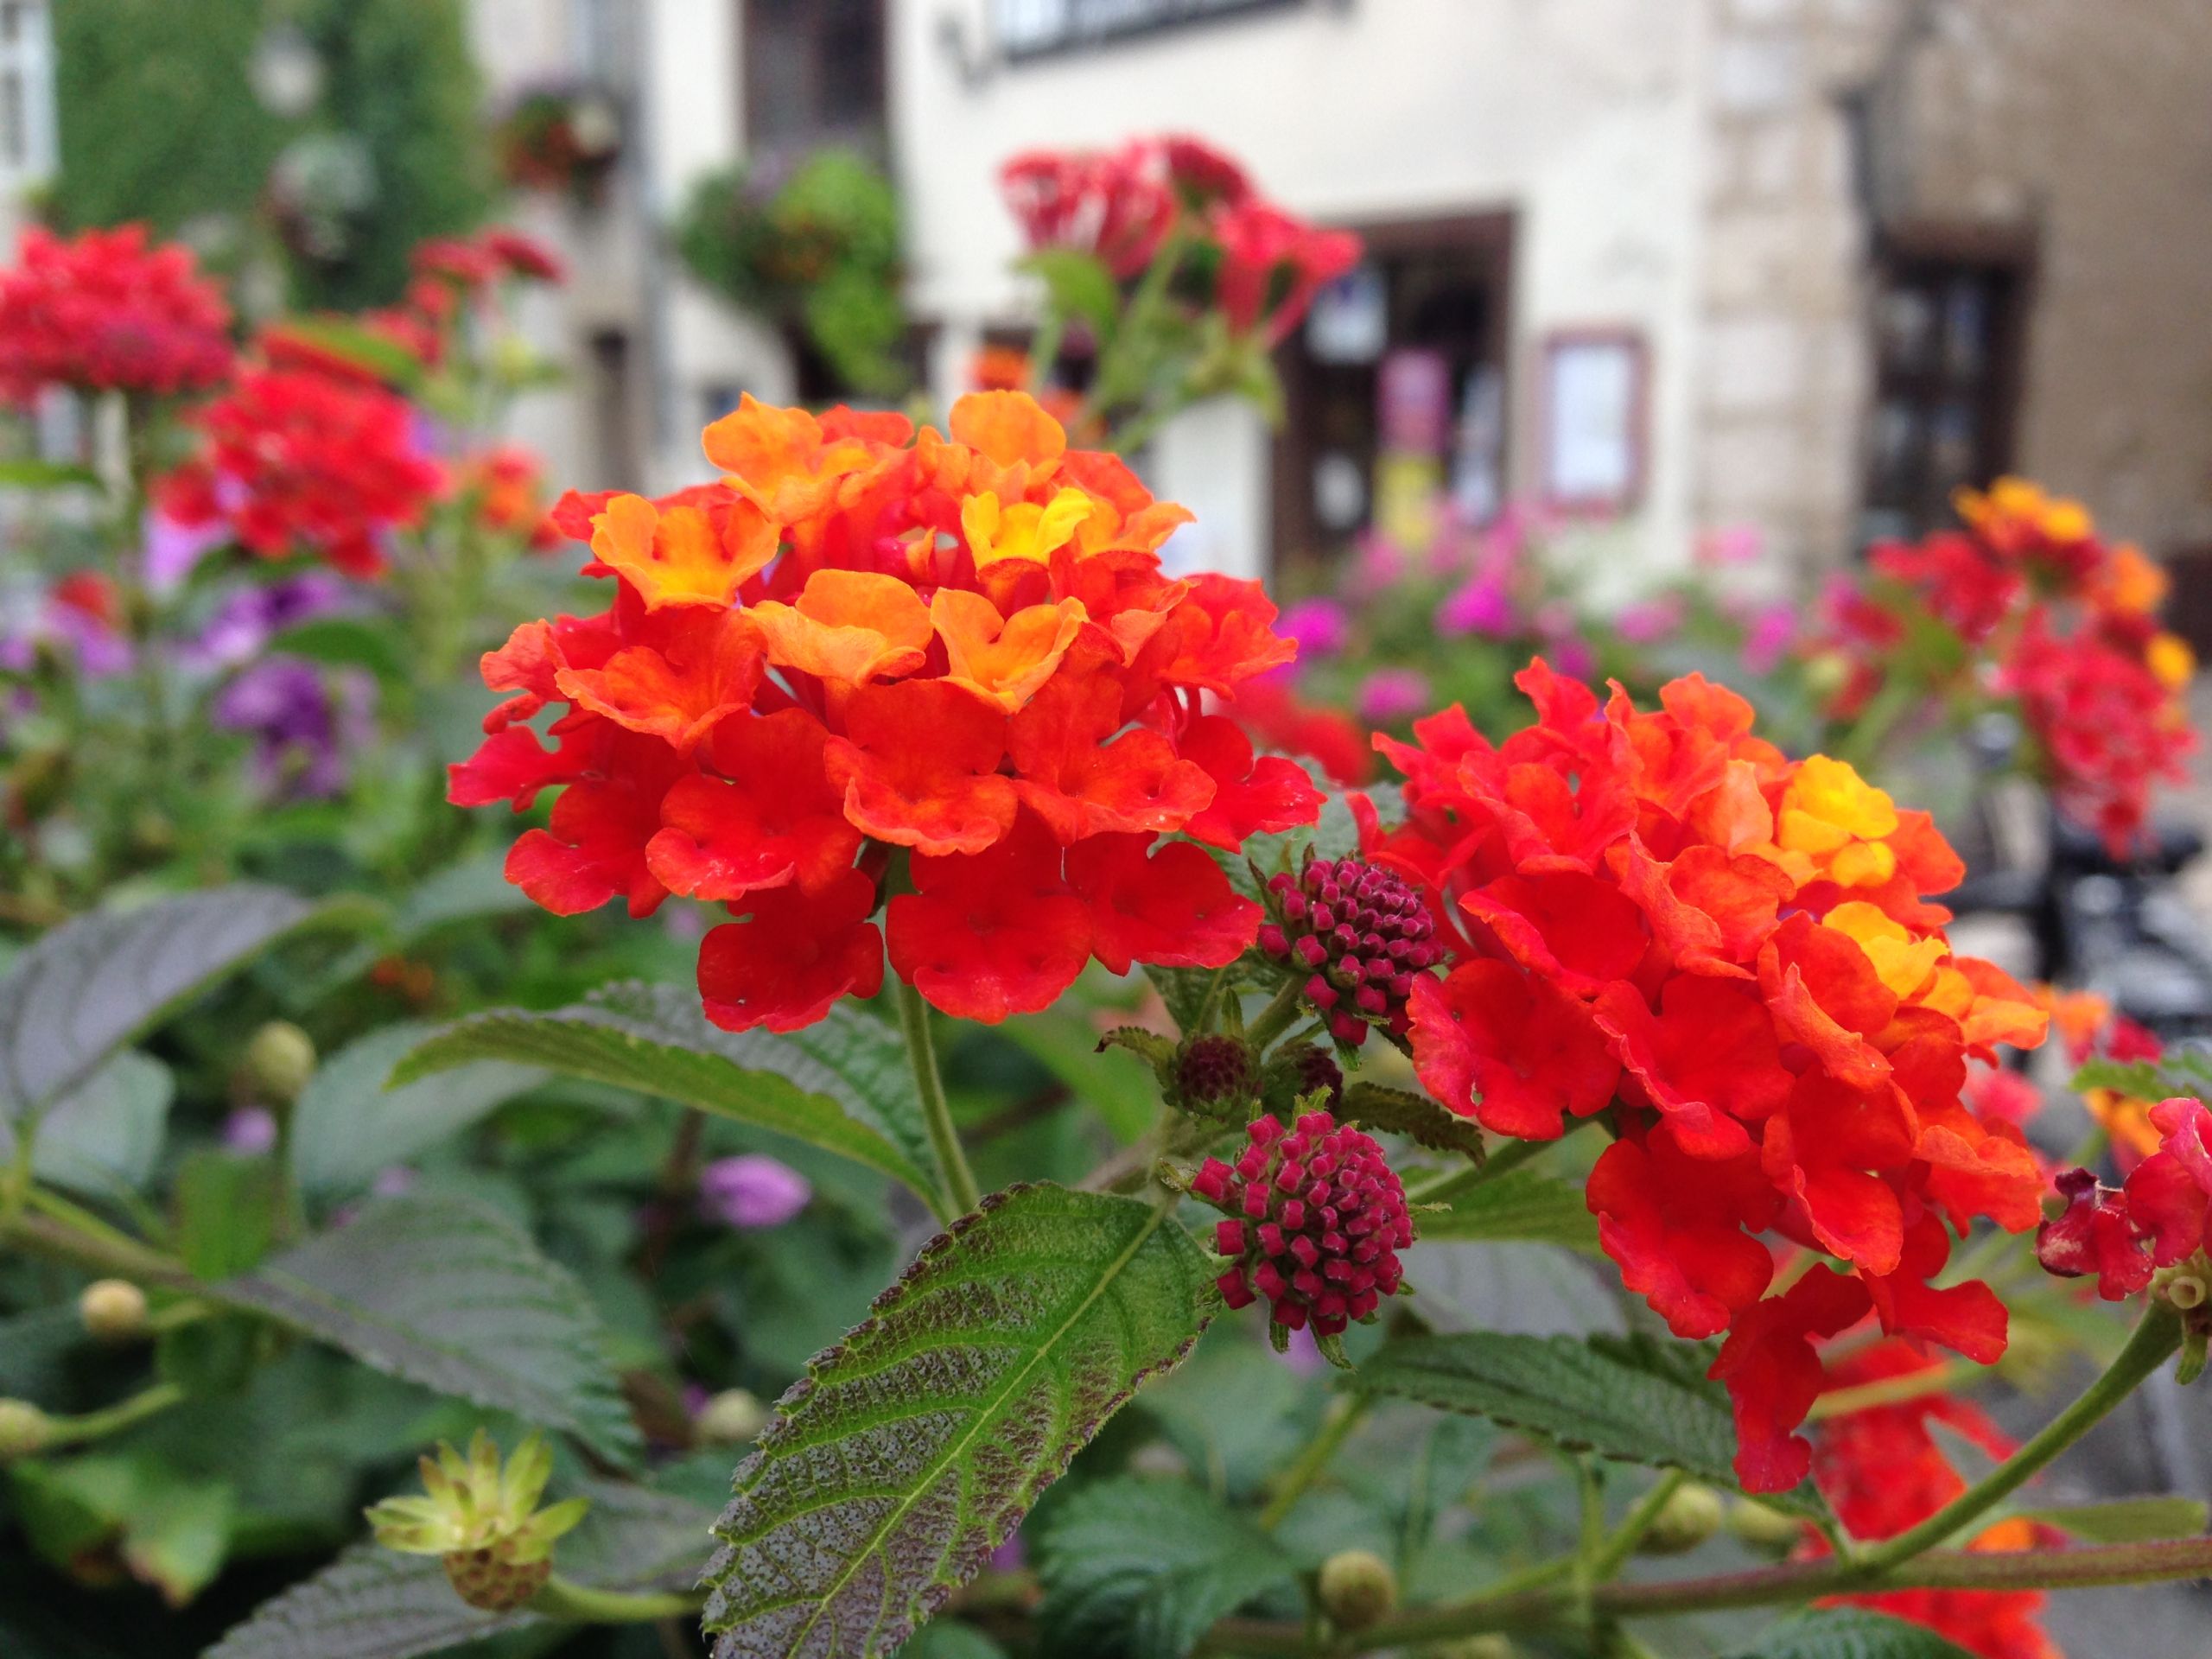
point(1582, 116)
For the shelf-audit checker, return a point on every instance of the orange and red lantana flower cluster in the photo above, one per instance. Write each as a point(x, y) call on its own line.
point(864, 641)
point(105, 312)
point(1658, 909)
point(2068, 624)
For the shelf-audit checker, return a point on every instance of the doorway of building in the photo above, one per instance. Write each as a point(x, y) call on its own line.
point(1395, 386)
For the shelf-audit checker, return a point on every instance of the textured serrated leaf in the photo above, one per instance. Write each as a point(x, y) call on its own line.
point(1518, 1204)
point(105, 1136)
point(1414, 1114)
point(912, 1449)
point(1849, 1633)
point(841, 1085)
point(92, 984)
point(450, 1294)
point(1635, 1400)
point(374, 1604)
point(1189, 993)
point(2178, 1071)
point(1140, 1569)
point(346, 1126)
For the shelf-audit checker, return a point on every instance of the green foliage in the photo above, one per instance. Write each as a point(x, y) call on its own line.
point(1636, 1401)
point(89, 987)
point(841, 1086)
point(1849, 1633)
point(373, 1603)
point(1414, 1114)
point(346, 1126)
point(822, 252)
point(2128, 1520)
point(914, 1447)
point(1140, 1569)
point(1519, 1204)
point(451, 1294)
point(105, 1136)
point(2180, 1071)
point(160, 122)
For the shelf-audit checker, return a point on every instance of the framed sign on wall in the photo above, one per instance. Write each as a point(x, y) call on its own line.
point(1594, 411)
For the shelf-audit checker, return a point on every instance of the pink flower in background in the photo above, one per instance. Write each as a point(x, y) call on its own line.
point(1651, 621)
point(1479, 605)
point(249, 1131)
point(1730, 544)
point(1392, 694)
point(1772, 629)
point(752, 1191)
point(1320, 626)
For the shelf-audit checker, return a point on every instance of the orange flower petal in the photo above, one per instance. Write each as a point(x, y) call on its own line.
point(681, 555)
point(918, 766)
point(849, 627)
point(698, 673)
point(1009, 427)
point(1002, 660)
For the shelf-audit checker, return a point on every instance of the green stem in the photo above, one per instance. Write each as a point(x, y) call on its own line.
point(1045, 350)
point(1617, 1548)
point(2154, 1342)
point(1796, 1582)
point(961, 1193)
point(580, 1603)
point(112, 1420)
point(119, 1257)
point(1343, 1416)
point(1276, 1018)
point(1439, 1189)
point(1892, 1390)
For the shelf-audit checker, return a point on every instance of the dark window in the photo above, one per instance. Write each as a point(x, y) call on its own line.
point(1435, 292)
point(814, 74)
point(1950, 319)
point(1029, 29)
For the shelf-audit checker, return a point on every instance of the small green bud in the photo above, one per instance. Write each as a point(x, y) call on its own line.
point(732, 1418)
point(1358, 1588)
point(278, 1062)
point(1693, 1515)
point(24, 1429)
point(113, 1310)
point(1761, 1526)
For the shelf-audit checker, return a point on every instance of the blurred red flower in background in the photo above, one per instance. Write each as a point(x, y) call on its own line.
point(107, 311)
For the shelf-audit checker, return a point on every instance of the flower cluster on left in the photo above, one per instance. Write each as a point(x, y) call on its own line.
point(943, 678)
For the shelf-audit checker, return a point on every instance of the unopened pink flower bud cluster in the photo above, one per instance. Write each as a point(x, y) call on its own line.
point(1363, 932)
point(1317, 1218)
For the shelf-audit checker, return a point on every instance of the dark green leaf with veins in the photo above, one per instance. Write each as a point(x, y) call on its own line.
point(912, 1449)
point(1518, 1204)
point(1421, 1120)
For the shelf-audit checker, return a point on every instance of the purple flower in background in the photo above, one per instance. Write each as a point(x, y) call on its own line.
point(250, 1131)
point(1319, 625)
point(250, 618)
point(80, 616)
point(1301, 1354)
point(304, 725)
point(752, 1191)
point(1393, 694)
point(1479, 605)
point(1730, 544)
point(1009, 1557)
point(396, 1182)
point(172, 549)
point(1651, 621)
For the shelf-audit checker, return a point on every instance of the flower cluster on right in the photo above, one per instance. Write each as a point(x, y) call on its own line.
point(1659, 909)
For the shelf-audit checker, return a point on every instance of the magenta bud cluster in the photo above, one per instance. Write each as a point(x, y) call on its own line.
point(1315, 1219)
point(1360, 932)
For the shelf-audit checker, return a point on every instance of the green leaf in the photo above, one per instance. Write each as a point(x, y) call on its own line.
point(94, 983)
point(912, 1449)
point(1189, 993)
point(373, 1604)
point(1849, 1633)
point(1079, 285)
point(450, 1294)
point(1521, 1205)
point(225, 1212)
point(949, 1638)
point(2179, 1071)
point(841, 1085)
point(477, 886)
point(346, 1126)
point(1414, 1114)
point(1140, 1569)
point(1118, 1086)
point(348, 341)
point(171, 1530)
point(1334, 835)
point(105, 1136)
point(1635, 1400)
point(2128, 1520)
point(346, 642)
point(28, 474)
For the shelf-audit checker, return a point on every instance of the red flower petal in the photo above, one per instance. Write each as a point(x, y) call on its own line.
point(1515, 1051)
point(1082, 785)
point(780, 822)
point(1573, 928)
point(918, 766)
point(1774, 1374)
point(1173, 909)
point(1675, 1226)
point(1707, 1060)
point(796, 956)
point(994, 933)
point(1250, 797)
